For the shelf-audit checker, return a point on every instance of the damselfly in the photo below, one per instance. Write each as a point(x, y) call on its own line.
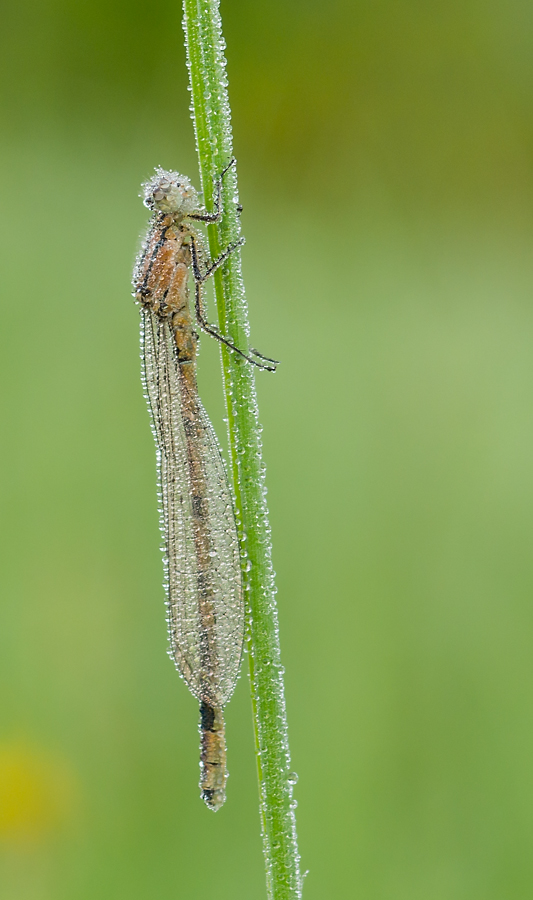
point(201, 548)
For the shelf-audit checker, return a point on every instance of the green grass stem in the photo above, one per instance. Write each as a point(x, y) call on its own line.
point(212, 123)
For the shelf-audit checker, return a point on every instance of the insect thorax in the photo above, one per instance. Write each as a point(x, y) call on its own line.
point(161, 280)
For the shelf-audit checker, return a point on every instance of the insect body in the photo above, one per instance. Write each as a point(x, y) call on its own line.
point(201, 547)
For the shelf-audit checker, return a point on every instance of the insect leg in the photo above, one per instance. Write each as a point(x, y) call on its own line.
point(198, 276)
point(199, 279)
point(217, 214)
point(209, 329)
point(262, 356)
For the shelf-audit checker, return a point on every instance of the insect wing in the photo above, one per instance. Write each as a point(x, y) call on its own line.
point(202, 559)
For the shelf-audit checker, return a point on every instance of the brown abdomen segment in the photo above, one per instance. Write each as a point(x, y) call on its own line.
point(213, 772)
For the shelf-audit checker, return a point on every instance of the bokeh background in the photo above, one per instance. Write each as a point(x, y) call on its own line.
point(385, 160)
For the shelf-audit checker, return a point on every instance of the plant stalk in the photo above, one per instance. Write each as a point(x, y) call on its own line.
point(212, 122)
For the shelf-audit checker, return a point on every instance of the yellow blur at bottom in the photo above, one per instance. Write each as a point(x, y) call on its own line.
point(37, 795)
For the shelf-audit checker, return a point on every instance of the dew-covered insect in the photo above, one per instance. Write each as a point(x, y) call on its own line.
point(201, 548)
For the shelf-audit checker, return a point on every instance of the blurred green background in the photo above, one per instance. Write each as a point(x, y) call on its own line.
point(385, 159)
